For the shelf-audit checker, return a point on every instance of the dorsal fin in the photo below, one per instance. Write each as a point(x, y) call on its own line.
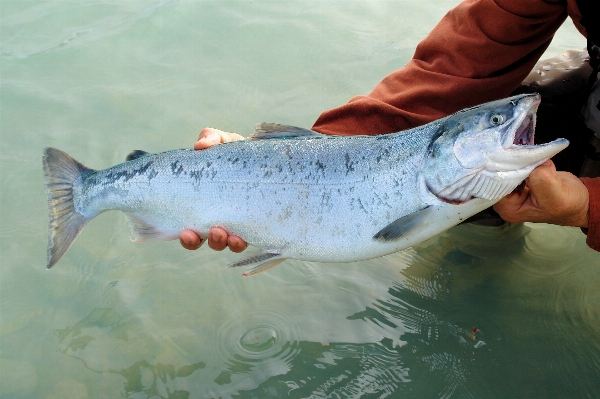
point(135, 154)
point(276, 131)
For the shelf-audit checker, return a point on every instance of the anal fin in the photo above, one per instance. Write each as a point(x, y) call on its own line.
point(260, 262)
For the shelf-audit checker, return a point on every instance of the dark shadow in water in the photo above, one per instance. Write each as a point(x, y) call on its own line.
point(483, 321)
point(110, 319)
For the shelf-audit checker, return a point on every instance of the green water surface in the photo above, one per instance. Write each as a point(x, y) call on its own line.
point(477, 312)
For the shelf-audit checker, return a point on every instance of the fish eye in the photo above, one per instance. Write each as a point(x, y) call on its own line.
point(497, 119)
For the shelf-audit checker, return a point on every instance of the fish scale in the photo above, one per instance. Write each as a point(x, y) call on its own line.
point(295, 193)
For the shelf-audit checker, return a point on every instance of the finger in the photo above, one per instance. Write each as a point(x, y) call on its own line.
point(236, 244)
point(207, 138)
point(510, 208)
point(562, 197)
point(190, 240)
point(516, 199)
point(217, 238)
point(546, 187)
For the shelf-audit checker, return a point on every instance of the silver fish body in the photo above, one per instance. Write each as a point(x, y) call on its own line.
point(294, 193)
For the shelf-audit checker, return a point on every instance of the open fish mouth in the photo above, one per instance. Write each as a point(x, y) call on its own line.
point(525, 136)
point(519, 150)
point(500, 166)
point(526, 131)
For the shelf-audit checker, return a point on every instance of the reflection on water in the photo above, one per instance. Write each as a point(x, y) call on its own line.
point(453, 310)
point(142, 376)
point(475, 312)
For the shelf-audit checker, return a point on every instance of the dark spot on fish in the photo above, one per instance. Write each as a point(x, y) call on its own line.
point(208, 163)
point(325, 199)
point(152, 174)
point(126, 175)
point(196, 175)
point(349, 164)
point(385, 136)
point(360, 204)
point(176, 168)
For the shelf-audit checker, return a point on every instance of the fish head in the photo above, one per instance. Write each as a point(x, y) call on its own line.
point(486, 151)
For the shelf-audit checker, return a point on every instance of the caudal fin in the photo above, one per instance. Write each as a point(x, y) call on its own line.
point(60, 172)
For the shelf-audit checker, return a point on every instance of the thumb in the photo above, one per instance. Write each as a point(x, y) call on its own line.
point(510, 207)
point(208, 137)
point(546, 188)
point(561, 196)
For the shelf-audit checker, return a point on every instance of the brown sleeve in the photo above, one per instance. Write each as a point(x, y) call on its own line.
point(593, 230)
point(480, 51)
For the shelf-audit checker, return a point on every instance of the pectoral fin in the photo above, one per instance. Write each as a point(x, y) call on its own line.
point(405, 225)
point(260, 262)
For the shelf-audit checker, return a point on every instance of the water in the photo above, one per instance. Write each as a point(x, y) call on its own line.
point(475, 312)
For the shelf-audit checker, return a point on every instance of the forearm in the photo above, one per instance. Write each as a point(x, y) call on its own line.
point(480, 51)
point(593, 230)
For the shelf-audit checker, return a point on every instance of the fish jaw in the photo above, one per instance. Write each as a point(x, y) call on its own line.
point(517, 155)
point(517, 150)
point(487, 160)
point(525, 158)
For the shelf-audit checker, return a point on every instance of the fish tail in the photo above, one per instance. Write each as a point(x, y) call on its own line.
point(61, 172)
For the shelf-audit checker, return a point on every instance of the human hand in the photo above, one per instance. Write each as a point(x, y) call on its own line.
point(218, 238)
point(548, 197)
point(209, 137)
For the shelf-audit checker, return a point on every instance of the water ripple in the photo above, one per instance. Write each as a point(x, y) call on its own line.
point(255, 346)
point(49, 28)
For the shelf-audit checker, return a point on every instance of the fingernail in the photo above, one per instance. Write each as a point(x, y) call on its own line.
point(215, 238)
